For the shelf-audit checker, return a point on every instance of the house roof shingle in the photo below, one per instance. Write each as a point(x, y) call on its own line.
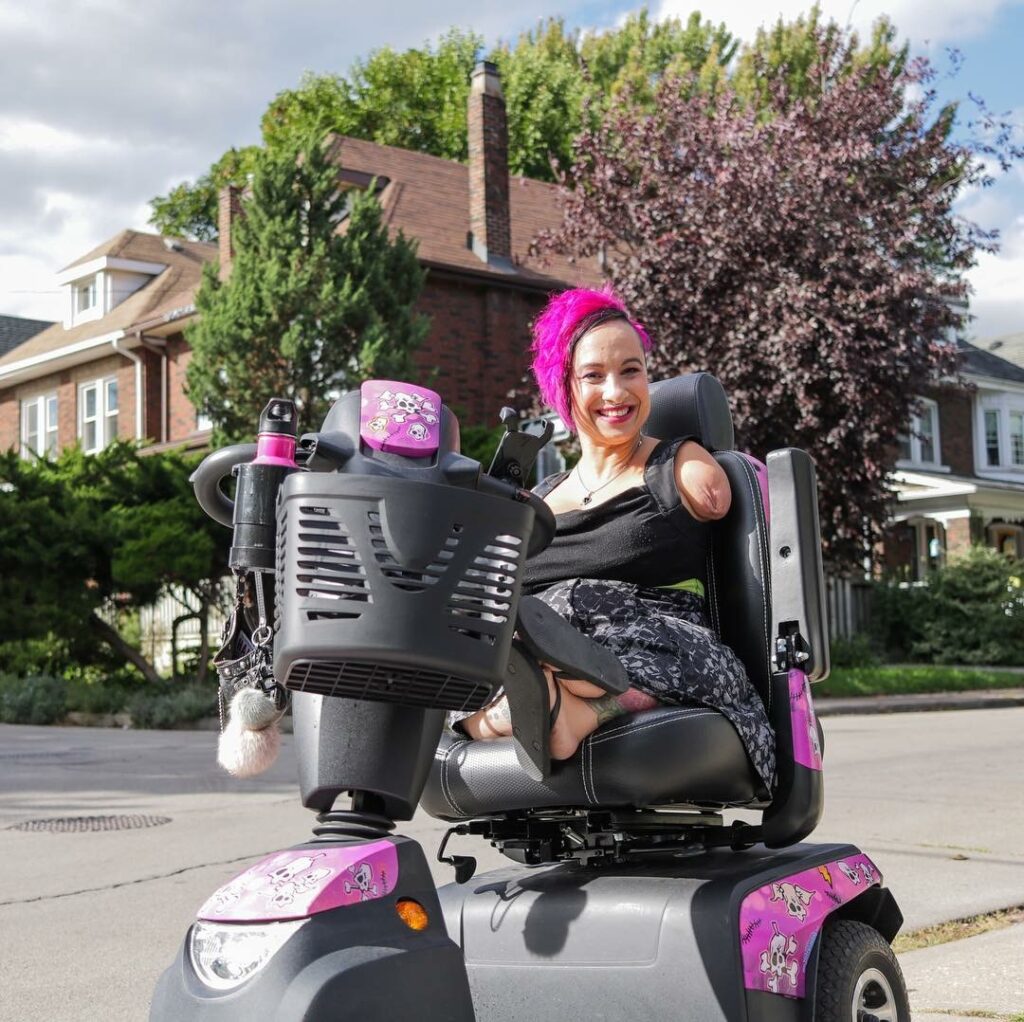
point(15, 330)
point(985, 363)
point(1009, 347)
point(427, 198)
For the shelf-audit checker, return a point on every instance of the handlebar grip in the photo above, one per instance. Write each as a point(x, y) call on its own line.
point(207, 478)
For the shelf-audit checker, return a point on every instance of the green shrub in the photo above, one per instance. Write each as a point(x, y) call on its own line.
point(856, 651)
point(37, 699)
point(168, 707)
point(975, 612)
point(98, 697)
point(898, 614)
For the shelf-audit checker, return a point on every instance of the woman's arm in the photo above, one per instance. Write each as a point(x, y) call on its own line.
point(702, 483)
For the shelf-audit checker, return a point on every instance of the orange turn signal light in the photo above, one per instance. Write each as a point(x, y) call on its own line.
point(412, 913)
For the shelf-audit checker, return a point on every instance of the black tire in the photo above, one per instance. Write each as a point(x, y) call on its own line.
point(859, 979)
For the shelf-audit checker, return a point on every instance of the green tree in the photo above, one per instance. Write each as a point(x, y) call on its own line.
point(190, 210)
point(87, 539)
point(319, 298)
point(416, 99)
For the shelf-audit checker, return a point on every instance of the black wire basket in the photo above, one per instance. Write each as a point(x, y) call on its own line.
point(393, 590)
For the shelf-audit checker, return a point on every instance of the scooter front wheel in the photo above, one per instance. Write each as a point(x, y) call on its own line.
point(859, 979)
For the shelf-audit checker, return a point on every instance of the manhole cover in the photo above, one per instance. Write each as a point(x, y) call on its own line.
point(79, 824)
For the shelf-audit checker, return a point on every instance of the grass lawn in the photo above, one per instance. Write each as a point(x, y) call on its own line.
point(901, 680)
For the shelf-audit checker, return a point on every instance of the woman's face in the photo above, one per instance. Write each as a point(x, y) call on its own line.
point(608, 384)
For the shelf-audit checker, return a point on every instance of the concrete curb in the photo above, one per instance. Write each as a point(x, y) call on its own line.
point(982, 699)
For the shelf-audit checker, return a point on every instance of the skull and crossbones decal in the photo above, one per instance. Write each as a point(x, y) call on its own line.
point(296, 877)
point(362, 881)
point(850, 873)
point(401, 405)
point(776, 961)
point(795, 897)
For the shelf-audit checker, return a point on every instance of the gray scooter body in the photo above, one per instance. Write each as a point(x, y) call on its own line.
point(624, 942)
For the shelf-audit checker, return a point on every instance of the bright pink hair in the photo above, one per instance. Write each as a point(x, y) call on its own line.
point(558, 329)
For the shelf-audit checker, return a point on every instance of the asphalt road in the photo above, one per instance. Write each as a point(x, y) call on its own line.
point(90, 919)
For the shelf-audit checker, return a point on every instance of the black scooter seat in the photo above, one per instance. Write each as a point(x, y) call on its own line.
point(671, 754)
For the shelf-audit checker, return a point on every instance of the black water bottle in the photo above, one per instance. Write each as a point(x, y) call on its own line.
point(255, 516)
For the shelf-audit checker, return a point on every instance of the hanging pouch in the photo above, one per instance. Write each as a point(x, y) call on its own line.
point(250, 739)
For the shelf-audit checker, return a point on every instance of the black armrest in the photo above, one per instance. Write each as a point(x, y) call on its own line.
point(552, 640)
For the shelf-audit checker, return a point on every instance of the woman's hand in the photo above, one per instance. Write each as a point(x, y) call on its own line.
point(702, 483)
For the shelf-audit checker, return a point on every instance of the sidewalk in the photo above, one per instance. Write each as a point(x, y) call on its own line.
point(964, 980)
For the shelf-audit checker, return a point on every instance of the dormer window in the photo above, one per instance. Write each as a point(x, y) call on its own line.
point(85, 295)
point(96, 287)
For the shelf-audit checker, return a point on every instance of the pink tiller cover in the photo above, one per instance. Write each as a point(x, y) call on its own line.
point(400, 418)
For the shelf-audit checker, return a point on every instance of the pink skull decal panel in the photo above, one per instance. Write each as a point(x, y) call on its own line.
point(304, 881)
point(780, 921)
point(400, 418)
point(806, 745)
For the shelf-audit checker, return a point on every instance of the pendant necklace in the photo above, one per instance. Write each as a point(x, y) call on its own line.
point(597, 489)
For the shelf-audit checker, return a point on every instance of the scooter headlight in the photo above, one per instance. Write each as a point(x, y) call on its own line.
point(225, 955)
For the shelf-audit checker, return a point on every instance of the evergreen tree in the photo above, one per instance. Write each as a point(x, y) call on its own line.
point(318, 299)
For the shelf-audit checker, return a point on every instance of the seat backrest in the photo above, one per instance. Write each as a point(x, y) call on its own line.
point(738, 593)
point(781, 637)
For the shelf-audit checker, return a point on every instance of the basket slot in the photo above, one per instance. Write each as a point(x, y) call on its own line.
point(381, 683)
point(480, 587)
point(470, 633)
point(329, 569)
point(479, 601)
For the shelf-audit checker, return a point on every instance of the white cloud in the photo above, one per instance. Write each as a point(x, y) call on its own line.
point(106, 103)
point(917, 20)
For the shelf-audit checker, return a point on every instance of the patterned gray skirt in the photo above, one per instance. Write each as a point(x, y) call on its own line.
point(670, 652)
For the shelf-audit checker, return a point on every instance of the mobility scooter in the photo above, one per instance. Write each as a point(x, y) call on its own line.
point(397, 567)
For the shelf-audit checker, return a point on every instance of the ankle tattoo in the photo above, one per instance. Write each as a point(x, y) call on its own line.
point(607, 708)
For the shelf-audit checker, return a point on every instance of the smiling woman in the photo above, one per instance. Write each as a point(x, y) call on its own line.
point(628, 561)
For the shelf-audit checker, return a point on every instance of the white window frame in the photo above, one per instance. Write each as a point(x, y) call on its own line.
point(45, 433)
point(931, 408)
point(1005, 405)
point(105, 434)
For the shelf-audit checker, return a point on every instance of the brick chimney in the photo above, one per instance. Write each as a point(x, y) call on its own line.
point(229, 208)
point(489, 221)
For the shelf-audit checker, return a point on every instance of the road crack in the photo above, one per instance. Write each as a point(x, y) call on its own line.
point(130, 883)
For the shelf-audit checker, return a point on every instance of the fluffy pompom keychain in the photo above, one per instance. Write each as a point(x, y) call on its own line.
point(251, 739)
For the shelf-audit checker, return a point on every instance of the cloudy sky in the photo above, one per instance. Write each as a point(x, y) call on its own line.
point(106, 103)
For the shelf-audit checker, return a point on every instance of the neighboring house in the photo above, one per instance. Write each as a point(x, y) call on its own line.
point(1009, 347)
point(16, 329)
point(960, 478)
point(115, 366)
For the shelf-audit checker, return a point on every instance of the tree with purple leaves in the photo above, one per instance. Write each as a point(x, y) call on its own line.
point(802, 245)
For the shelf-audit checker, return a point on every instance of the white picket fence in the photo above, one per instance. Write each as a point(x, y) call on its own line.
point(173, 623)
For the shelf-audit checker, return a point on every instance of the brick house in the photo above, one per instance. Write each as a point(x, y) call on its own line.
point(960, 477)
point(115, 366)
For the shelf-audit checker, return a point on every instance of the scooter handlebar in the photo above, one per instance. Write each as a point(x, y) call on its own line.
point(208, 476)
